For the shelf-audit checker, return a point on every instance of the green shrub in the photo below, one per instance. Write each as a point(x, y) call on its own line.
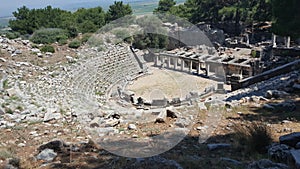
point(95, 41)
point(85, 37)
point(74, 44)
point(12, 35)
point(255, 137)
point(50, 35)
point(62, 41)
point(253, 54)
point(48, 48)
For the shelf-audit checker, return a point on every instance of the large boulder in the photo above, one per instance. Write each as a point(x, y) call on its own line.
point(55, 145)
point(290, 139)
point(47, 155)
point(279, 152)
point(296, 157)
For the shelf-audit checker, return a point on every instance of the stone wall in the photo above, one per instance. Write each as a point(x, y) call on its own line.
point(295, 65)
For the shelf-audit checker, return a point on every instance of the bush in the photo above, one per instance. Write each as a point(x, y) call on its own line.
point(74, 44)
point(50, 35)
point(48, 48)
point(85, 37)
point(12, 35)
point(254, 136)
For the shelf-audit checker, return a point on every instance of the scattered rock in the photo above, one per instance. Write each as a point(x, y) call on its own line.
point(231, 161)
point(132, 127)
point(52, 115)
point(134, 136)
point(296, 157)
point(218, 146)
point(70, 59)
point(95, 122)
point(55, 145)
point(36, 50)
point(266, 164)
point(171, 114)
point(112, 122)
point(182, 122)
point(39, 55)
point(11, 92)
point(202, 106)
point(161, 118)
point(47, 155)
point(275, 94)
point(297, 145)
point(2, 111)
point(21, 145)
point(48, 54)
point(268, 107)
point(296, 86)
point(290, 139)
point(279, 152)
point(3, 60)
point(18, 52)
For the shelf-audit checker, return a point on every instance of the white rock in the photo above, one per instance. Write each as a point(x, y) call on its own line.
point(11, 92)
point(39, 55)
point(132, 127)
point(21, 145)
point(3, 60)
point(95, 122)
point(47, 155)
point(52, 115)
point(36, 50)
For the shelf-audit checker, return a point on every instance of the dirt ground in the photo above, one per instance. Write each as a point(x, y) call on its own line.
point(166, 83)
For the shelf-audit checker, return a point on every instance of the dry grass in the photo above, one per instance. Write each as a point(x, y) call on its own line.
point(254, 137)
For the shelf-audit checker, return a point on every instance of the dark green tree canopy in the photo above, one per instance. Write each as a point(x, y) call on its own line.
point(118, 10)
point(164, 6)
point(286, 17)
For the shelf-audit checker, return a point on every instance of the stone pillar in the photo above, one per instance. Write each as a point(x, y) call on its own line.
point(247, 39)
point(288, 42)
point(175, 60)
point(274, 40)
point(199, 68)
point(182, 64)
point(162, 58)
point(207, 69)
point(168, 62)
point(191, 66)
point(156, 60)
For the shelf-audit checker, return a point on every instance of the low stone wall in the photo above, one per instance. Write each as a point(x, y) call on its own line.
point(281, 51)
point(295, 65)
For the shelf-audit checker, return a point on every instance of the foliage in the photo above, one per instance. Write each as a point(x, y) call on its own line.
point(89, 20)
point(11, 35)
point(118, 10)
point(28, 21)
point(164, 6)
point(254, 136)
point(48, 48)
point(75, 44)
point(215, 11)
point(49, 35)
point(154, 35)
point(85, 37)
point(286, 17)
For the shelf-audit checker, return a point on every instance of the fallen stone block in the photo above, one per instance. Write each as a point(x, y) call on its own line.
point(290, 139)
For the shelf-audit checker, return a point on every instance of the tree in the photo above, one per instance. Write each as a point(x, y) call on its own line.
point(21, 23)
point(286, 18)
point(118, 10)
point(89, 20)
point(164, 6)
